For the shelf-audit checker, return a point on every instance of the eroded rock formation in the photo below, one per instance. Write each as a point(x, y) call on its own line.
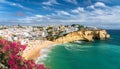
point(87, 35)
point(35, 47)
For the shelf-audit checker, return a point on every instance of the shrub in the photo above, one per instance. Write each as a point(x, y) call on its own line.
point(10, 57)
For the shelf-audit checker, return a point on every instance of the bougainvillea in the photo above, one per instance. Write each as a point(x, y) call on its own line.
point(10, 57)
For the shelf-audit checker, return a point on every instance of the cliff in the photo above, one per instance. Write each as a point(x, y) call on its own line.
point(86, 35)
point(34, 48)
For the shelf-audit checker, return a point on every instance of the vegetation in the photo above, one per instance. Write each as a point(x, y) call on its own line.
point(10, 57)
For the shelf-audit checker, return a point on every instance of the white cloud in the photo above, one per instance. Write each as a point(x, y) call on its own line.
point(16, 5)
point(34, 19)
point(72, 1)
point(78, 10)
point(62, 13)
point(21, 6)
point(99, 4)
point(50, 2)
point(98, 17)
point(109, 17)
point(39, 16)
point(91, 7)
point(47, 8)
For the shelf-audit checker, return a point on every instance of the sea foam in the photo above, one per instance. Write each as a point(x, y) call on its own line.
point(44, 54)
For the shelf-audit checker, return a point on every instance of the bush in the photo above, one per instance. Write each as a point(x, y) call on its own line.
point(10, 57)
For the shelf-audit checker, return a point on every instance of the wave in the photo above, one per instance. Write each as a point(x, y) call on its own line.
point(76, 47)
point(41, 59)
point(80, 42)
point(43, 54)
point(73, 49)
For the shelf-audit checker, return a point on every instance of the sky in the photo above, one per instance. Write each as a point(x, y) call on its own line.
point(99, 13)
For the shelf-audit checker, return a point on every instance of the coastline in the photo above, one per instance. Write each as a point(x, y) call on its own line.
point(34, 48)
point(89, 55)
point(33, 51)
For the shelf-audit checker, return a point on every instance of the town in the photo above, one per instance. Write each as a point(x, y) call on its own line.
point(37, 38)
point(24, 34)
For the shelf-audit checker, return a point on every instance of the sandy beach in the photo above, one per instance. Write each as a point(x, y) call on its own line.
point(32, 51)
point(35, 46)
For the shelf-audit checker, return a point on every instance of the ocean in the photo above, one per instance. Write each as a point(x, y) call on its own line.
point(98, 54)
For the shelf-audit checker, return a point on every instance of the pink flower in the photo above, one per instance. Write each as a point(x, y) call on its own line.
point(11, 62)
point(15, 61)
point(23, 47)
point(19, 57)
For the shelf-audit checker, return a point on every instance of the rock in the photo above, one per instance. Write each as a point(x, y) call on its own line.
point(107, 36)
point(103, 35)
point(87, 35)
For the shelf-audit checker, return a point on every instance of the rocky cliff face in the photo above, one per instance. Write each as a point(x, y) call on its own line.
point(103, 35)
point(87, 35)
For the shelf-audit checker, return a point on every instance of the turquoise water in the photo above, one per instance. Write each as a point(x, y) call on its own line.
point(86, 55)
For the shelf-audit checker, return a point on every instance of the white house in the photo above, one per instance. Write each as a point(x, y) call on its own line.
point(44, 33)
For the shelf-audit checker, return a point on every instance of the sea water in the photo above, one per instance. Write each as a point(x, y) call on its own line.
point(86, 55)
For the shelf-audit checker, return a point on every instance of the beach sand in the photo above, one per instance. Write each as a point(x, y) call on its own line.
point(32, 51)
